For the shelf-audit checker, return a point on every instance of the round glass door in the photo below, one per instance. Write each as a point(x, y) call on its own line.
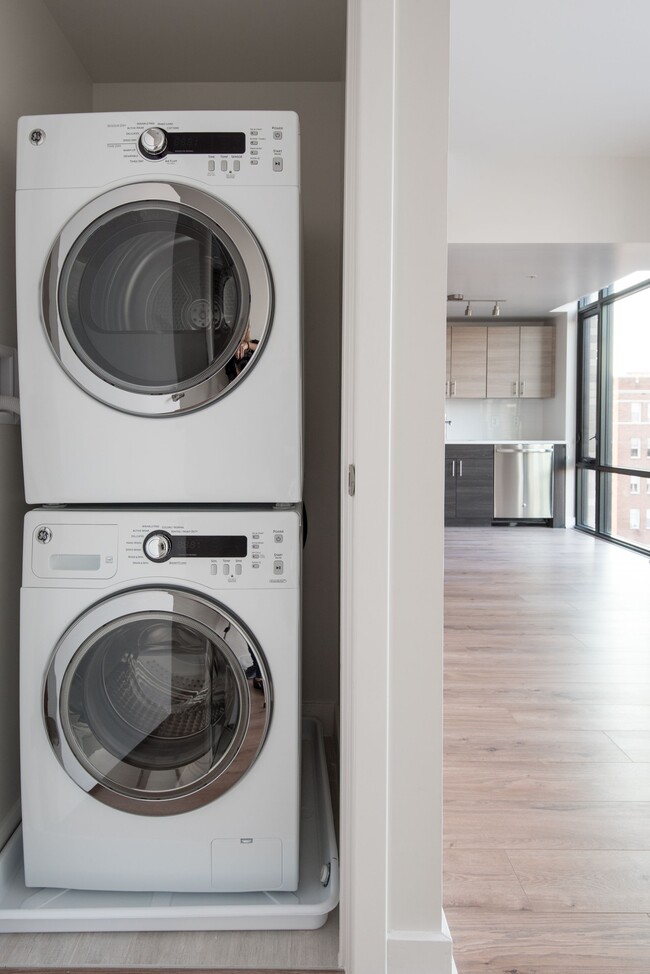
point(157, 701)
point(157, 298)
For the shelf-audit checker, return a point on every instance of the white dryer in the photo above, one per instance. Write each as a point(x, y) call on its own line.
point(159, 307)
point(160, 721)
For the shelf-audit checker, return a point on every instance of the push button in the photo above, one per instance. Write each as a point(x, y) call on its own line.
point(278, 165)
point(237, 569)
point(278, 567)
point(277, 134)
point(224, 165)
point(278, 538)
point(226, 569)
point(236, 165)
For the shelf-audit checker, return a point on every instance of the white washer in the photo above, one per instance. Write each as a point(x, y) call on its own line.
point(159, 307)
point(160, 725)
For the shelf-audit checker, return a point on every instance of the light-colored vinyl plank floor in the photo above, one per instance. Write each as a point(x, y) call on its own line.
point(252, 950)
point(547, 753)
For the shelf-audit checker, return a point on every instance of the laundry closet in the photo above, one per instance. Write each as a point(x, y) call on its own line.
point(66, 57)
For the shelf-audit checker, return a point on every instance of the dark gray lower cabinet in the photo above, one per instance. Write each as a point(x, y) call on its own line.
point(469, 472)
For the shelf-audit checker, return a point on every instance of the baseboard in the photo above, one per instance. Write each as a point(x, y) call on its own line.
point(447, 932)
point(419, 952)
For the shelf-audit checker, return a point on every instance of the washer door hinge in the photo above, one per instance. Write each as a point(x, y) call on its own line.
point(352, 479)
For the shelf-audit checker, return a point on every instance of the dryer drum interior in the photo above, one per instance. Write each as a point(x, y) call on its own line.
point(156, 705)
point(154, 296)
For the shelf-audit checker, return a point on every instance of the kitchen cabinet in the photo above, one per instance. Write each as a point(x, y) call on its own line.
point(469, 484)
point(466, 361)
point(537, 361)
point(520, 362)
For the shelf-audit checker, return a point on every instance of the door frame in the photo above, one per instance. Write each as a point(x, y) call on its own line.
point(394, 330)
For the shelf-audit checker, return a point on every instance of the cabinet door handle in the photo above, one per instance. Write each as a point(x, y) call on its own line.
point(460, 468)
point(453, 388)
point(522, 386)
point(447, 389)
point(514, 388)
point(453, 468)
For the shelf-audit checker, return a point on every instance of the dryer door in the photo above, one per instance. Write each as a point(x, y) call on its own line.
point(157, 299)
point(157, 701)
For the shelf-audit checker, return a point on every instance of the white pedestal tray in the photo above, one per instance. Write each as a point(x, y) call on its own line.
point(24, 909)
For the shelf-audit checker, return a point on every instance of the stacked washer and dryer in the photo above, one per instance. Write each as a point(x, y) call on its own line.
point(159, 326)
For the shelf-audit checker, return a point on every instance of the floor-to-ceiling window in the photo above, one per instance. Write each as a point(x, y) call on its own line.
point(613, 436)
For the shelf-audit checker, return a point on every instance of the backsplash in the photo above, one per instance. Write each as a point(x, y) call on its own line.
point(498, 419)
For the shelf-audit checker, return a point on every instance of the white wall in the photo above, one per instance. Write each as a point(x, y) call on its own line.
point(40, 73)
point(320, 107)
point(548, 198)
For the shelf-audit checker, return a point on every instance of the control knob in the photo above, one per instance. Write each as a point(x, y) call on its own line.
point(153, 142)
point(158, 546)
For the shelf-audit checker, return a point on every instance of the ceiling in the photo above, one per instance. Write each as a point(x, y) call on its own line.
point(541, 77)
point(205, 40)
point(536, 278)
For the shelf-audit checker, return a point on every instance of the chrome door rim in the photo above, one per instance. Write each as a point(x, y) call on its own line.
point(210, 387)
point(78, 639)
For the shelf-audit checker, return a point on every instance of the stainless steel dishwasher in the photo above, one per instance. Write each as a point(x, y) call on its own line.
point(523, 481)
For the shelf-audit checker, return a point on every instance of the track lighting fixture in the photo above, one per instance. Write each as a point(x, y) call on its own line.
point(497, 302)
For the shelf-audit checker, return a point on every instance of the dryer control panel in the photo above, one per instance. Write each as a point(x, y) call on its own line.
point(215, 548)
point(213, 148)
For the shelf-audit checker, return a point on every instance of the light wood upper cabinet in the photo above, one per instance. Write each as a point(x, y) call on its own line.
point(468, 369)
point(502, 362)
point(518, 361)
point(537, 362)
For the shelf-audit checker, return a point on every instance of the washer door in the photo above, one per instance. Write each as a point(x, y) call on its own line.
point(157, 701)
point(157, 298)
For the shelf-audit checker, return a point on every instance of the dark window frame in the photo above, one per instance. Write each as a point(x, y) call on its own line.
point(601, 464)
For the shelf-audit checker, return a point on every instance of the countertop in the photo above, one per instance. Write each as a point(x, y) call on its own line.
point(449, 442)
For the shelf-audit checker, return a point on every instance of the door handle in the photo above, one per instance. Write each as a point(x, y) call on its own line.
point(453, 468)
point(460, 468)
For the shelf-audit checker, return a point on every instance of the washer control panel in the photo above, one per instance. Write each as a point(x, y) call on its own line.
point(259, 554)
point(254, 548)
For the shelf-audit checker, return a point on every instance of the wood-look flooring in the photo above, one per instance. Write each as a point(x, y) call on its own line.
point(547, 753)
